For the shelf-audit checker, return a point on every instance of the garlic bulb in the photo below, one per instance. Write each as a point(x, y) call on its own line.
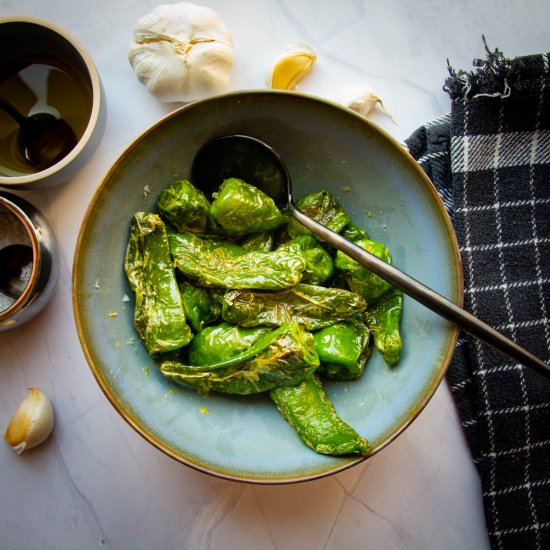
point(182, 52)
point(362, 100)
point(292, 67)
point(32, 423)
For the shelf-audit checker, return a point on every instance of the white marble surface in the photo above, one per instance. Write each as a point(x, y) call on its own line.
point(97, 483)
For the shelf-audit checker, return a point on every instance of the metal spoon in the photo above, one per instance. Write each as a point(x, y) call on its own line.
point(13, 259)
point(256, 162)
point(43, 138)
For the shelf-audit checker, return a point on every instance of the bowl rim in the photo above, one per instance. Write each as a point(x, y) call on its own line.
point(428, 392)
point(97, 99)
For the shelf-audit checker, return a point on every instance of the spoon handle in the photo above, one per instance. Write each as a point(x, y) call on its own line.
point(425, 295)
point(11, 110)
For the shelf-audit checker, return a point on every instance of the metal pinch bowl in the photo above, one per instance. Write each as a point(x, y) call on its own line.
point(45, 263)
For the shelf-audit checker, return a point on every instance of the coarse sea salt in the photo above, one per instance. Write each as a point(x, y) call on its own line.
point(12, 230)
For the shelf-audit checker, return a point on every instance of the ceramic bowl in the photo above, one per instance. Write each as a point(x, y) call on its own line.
point(43, 68)
point(324, 146)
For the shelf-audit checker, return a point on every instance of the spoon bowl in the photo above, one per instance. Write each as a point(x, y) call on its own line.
point(43, 139)
point(257, 163)
point(241, 157)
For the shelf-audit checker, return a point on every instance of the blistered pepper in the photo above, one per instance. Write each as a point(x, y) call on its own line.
point(186, 208)
point(213, 263)
point(263, 241)
point(308, 409)
point(218, 343)
point(323, 207)
point(282, 357)
point(319, 264)
point(312, 306)
point(383, 321)
point(159, 316)
point(201, 306)
point(354, 233)
point(241, 208)
point(343, 349)
point(361, 279)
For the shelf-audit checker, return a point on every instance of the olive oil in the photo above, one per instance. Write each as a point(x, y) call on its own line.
point(34, 85)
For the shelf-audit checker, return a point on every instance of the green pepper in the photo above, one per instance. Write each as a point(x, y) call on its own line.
point(200, 305)
point(241, 208)
point(383, 321)
point(312, 306)
point(323, 208)
point(261, 242)
point(159, 316)
point(186, 208)
point(354, 233)
point(232, 248)
point(218, 343)
point(308, 409)
point(284, 356)
point(211, 263)
point(319, 264)
point(361, 279)
point(343, 349)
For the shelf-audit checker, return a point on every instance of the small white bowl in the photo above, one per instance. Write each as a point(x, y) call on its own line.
point(24, 38)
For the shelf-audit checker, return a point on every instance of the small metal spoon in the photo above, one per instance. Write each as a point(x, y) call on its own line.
point(43, 138)
point(13, 259)
point(256, 162)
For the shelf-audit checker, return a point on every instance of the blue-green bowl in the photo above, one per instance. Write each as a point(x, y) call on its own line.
point(324, 146)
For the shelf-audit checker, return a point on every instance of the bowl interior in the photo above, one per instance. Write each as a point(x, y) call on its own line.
point(15, 229)
point(324, 146)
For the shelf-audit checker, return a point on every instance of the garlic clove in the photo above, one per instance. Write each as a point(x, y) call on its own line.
point(32, 423)
point(362, 100)
point(292, 67)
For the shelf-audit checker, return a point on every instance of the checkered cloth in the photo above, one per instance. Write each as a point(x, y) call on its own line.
point(490, 161)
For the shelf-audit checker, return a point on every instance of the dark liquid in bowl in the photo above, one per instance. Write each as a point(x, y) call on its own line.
point(34, 85)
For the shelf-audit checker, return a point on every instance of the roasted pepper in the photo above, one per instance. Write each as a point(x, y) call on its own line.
point(343, 349)
point(261, 242)
point(211, 263)
point(241, 208)
point(383, 321)
point(361, 279)
point(319, 264)
point(323, 208)
point(308, 409)
point(312, 306)
point(201, 306)
point(186, 208)
point(354, 233)
point(221, 342)
point(159, 316)
point(282, 357)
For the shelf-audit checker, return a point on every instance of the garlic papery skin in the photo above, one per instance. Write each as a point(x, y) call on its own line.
point(362, 100)
point(292, 67)
point(182, 52)
point(32, 423)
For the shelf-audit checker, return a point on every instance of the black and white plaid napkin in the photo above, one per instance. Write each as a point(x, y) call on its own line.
point(490, 160)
